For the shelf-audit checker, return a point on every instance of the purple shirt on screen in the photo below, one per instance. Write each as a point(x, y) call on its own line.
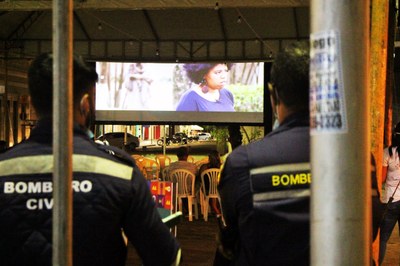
point(192, 101)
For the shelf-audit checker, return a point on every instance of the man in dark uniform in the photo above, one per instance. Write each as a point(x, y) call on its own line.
point(109, 193)
point(265, 186)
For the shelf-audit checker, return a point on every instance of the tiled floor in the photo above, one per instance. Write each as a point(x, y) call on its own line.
point(197, 239)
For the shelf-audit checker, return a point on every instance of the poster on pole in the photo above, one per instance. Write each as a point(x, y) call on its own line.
point(327, 98)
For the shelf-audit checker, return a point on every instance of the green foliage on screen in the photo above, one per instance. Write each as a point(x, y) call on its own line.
point(247, 98)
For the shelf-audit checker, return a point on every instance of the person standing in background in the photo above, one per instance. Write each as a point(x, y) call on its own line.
point(391, 180)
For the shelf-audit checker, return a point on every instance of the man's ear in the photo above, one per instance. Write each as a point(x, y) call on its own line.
point(275, 96)
point(273, 105)
point(84, 104)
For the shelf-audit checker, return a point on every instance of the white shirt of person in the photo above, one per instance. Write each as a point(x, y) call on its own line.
point(393, 174)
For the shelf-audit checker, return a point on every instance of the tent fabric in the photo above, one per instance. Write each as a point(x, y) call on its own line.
point(159, 31)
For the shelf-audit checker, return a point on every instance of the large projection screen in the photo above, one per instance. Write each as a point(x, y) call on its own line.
point(163, 93)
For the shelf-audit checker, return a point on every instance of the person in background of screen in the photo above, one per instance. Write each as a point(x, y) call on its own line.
point(183, 153)
point(208, 92)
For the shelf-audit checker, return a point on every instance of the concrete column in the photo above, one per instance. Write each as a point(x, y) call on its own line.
point(340, 127)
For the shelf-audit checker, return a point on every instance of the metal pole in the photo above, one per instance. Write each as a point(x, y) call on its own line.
point(125, 136)
point(6, 105)
point(62, 132)
point(378, 59)
point(381, 98)
point(340, 127)
point(164, 142)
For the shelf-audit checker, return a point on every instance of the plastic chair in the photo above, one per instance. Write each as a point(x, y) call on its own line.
point(150, 167)
point(136, 156)
point(141, 167)
point(139, 163)
point(190, 159)
point(185, 188)
point(163, 160)
point(209, 183)
point(201, 162)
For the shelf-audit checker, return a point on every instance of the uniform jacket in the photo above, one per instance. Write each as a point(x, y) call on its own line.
point(275, 232)
point(109, 194)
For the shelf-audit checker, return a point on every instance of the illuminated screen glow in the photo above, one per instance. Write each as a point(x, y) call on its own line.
point(166, 92)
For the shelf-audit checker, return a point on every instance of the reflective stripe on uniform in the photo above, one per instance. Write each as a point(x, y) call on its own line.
point(281, 194)
point(177, 261)
point(281, 168)
point(43, 164)
point(280, 181)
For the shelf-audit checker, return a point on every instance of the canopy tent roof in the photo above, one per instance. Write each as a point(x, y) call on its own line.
point(160, 31)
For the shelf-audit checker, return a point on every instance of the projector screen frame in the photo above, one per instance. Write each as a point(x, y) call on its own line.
point(145, 117)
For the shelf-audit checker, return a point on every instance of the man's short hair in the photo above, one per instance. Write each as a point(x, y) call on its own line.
point(290, 76)
point(40, 82)
point(182, 152)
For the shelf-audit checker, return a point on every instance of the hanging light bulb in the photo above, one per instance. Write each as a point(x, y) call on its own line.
point(99, 26)
point(239, 19)
point(157, 52)
point(216, 6)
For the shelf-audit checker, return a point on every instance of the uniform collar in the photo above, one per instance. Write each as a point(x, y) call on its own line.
point(298, 119)
point(43, 131)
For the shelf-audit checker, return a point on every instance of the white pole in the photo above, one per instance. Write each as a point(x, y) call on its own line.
point(340, 126)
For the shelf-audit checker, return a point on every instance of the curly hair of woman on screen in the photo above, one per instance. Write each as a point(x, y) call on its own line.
point(208, 92)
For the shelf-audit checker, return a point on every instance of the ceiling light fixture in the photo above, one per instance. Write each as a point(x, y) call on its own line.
point(216, 6)
point(239, 19)
point(157, 52)
point(99, 26)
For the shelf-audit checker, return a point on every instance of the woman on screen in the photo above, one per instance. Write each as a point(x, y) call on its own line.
point(208, 92)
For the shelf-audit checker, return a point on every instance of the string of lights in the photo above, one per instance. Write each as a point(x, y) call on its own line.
point(102, 23)
point(258, 37)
